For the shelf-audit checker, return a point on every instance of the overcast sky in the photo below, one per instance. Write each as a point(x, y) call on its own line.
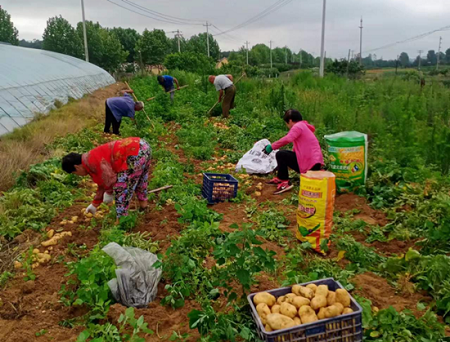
point(297, 24)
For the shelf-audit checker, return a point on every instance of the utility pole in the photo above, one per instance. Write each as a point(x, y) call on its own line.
point(396, 64)
point(348, 61)
point(285, 52)
point(439, 53)
point(207, 36)
point(178, 36)
point(246, 44)
point(360, 41)
point(270, 54)
point(86, 51)
point(420, 57)
point(322, 45)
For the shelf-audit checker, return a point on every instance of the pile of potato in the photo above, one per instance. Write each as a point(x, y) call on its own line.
point(222, 191)
point(306, 304)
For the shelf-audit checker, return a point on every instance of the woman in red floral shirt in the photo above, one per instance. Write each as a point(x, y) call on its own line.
point(120, 169)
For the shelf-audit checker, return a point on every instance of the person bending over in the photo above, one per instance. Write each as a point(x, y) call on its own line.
point(167, 82)
point(120, 168)
point(306, 155)
point(224, 83)
point(118, 107)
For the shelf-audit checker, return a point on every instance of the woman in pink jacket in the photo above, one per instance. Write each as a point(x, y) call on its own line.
point(307, 154)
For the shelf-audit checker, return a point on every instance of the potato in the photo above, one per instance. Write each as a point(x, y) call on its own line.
point(331, 298)
point(36, 251)
point(263, 310)
point(296, 289)
point(307, 315)
point(288, 310)
point(322, 290)
point(306, 292)
point(299, 301)
point(268, 328)
point(312, 287)
point(50, 233)
point(290, 296)
point(331, 311)
point(281, 300)
point(321, 314)
point(347, 311)
point(343, 297)
point(275, 308)
point(297, 321)
point(278, 321)
point(339, 306)
point(17, 265)
point(264, 297)
point(318, 302)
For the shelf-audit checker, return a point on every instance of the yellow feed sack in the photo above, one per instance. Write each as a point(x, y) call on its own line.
point(315, 208)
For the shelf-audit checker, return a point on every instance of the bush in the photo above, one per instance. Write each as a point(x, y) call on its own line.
point(189, 61)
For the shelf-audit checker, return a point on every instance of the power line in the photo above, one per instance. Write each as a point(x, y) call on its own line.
point(226, 34)
point(423, 35)
point(267, 11)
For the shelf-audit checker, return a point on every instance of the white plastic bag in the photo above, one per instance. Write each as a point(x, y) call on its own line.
point(256, 161)
point(137, 280)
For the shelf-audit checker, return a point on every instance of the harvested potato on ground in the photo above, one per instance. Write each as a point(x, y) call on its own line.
point(318, 302)
point(331, 311)
point(281, 299)
point(347, 311)
point(268, 328)
point(306, 292)
point(321, 314)
point(50, 233)
point(74, 218)
point(339, 306)
point(36, 251)
point(299, 301)
point(307, 314)
point(331, 298)
point(264, 297)
point(276, 308)
point(343, 297)
point(278, 321)
point(322, 290)
point(263, 310)
point(17, 265)
point(288, 310)
point(43, 258)
point(312, 287)
point(297, 321)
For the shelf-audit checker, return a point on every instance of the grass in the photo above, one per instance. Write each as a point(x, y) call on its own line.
point(26, 145)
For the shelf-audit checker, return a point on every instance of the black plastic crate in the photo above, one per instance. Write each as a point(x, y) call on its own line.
point(344, 328)
point(219, 187)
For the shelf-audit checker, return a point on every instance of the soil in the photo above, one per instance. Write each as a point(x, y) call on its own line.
point(383, 295)
point(348, 202)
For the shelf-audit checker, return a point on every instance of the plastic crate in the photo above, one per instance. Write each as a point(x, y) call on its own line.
point(344, 328)
point(219, 187)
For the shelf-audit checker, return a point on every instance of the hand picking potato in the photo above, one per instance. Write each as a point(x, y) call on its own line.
point(263, 310)
point(347, 311)
point(331, 298)
point(264, 297)
point(275, 308)
point(322, 290)
point(331, 311)
point(343, 297)
point(307, 315)
point(339, 306)
point(318, 302)
point(306, 292)
point(278, 321)
point(312, 287)
point(299, 301)
point(297, 321)
point(288, 310)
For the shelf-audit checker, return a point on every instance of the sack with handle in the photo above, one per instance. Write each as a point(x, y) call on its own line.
point(256, 161)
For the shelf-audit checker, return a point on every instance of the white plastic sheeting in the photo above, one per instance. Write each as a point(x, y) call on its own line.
point(31, 80)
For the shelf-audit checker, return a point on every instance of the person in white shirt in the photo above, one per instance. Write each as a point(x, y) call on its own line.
point(224, 84)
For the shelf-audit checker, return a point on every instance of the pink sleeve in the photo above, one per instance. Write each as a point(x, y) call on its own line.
point(293, 134)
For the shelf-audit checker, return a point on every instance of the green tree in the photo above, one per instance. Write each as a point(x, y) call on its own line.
point(174, 44)
point(128, 37)
point(404, 59)
point(154, 46)
point(197, 44)
point(189, 61)
point(94, 41)
point(447, 56)
point(60, 36)
point(432, 57)
point(34, 44)
point(8, 32)
point(260, 54)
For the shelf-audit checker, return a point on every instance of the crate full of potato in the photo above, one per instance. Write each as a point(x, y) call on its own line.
point(219, 187)
point(317, 311)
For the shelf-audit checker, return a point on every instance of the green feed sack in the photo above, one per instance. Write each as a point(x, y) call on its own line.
point(348, 159)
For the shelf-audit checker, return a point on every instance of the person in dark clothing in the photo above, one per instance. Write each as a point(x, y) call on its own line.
point(167, 82)
point(118, 107)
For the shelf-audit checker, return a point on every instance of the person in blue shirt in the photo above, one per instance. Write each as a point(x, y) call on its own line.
point(119, 107)
point(167, 82)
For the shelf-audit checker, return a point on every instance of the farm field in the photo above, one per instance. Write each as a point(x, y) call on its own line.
point(390, 243)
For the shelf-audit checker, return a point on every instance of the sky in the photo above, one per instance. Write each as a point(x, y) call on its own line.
point(296, 24)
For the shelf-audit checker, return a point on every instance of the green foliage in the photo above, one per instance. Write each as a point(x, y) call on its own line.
point(8, 32)
point(153, 46)
point(350, 69)
point(190, 61)
point(197, 140)
point(4, 277)
point(363, 257)
point(128, 37)
point(60, 36)
point(198, 44)
point(272, 224)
